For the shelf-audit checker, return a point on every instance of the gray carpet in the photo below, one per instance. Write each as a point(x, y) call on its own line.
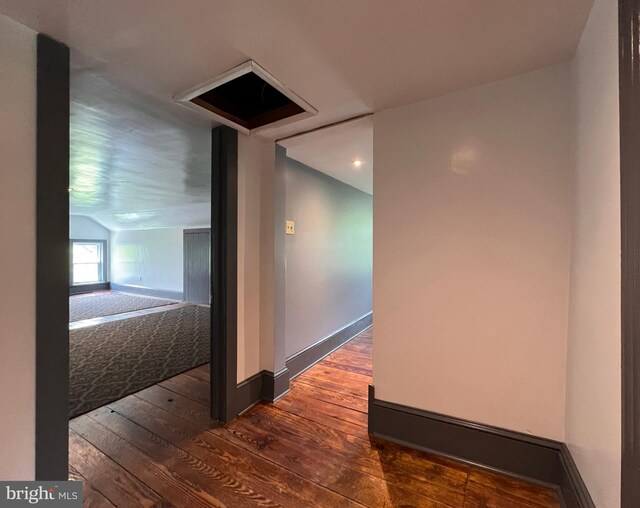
point(108, 303)
point(112, 360)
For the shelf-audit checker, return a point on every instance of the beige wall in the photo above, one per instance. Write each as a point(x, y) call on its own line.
point(255, 165)
point(17, 249)
point(471, 252)
point(593, 359)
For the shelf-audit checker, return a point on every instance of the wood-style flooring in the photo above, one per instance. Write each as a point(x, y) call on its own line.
point(158, 447)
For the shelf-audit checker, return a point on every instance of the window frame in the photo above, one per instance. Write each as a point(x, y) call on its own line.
point(102, 267)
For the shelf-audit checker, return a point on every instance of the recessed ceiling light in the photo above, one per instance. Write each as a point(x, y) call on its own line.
point(357, 163)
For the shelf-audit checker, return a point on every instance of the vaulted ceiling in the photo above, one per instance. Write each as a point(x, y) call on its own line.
point(134, 165)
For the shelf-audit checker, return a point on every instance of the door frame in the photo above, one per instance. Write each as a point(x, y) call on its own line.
point(52, 265)
point(629, 75)
point(52, 261)
point(224, 273)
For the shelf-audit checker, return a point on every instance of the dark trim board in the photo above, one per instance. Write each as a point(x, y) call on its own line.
point(52, 260)
point(574, 491)
point(275, 385)
point(263, 386)
point(629, 76)
point(249, 392)
point(224, 273)
point(89, 288)
point(530, 457)
point(311, 355)
point(156, 293)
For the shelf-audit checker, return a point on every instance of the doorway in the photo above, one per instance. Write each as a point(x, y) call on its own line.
point(54, 267)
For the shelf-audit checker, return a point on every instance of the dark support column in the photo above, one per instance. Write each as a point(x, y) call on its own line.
point(224, 272)
point(629, 34)
point(52, 260)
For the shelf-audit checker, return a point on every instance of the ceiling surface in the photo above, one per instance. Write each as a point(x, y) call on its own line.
point(140, 160)
point(133, 165)
point(333, 150)
point(345, 57)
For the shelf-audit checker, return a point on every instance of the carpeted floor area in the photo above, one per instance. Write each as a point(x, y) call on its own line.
point(112, 360)
point(108, 303)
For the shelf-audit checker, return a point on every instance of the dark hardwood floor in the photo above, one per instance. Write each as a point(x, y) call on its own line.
point(158, 447)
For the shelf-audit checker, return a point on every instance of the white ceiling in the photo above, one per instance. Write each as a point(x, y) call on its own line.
point(145, 167)
point(133, 165)
point(345, 57)
point(333, 150)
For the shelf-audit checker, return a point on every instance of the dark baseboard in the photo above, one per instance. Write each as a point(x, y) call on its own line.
point(275, 385)
point(311, 355)
point(522, 455)
point(89, 288)
point(249, 393)
point(157, 293)
point(574, 491)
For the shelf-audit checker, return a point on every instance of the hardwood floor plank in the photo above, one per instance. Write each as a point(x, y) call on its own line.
point(174, 484)
point(335, 363)
point(363, 360)
point(354, 391)
point(222, 484)
point(209, 447)
point(190, 387)
point(515, 488)
point(337, 398)
point(481, 496)
point(113, 481)
point(91, 497)
point(337, 375)
point(431, 479)
point(426, 467)
point(338, 475)
point(200, 373)
point(338, 417)
point(177, 404)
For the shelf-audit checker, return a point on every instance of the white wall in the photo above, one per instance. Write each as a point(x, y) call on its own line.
point(593, 362)
point(85, 228)
point(255, 256)
point(471, 252)
point(328, 259)
point(17, 249)
point(150, 258)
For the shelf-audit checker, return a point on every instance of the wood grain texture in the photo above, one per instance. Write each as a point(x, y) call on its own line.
point(159, 447)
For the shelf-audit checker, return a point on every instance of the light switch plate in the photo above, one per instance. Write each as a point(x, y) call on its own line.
point(290, 227)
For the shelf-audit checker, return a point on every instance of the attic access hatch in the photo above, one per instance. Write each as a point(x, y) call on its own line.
point(248, 99)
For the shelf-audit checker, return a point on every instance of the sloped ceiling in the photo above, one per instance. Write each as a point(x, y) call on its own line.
point(133, 165)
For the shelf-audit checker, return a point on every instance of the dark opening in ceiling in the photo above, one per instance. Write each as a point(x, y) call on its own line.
point(249, 101)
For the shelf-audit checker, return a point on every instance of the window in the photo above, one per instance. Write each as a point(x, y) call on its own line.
point(87, 261)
